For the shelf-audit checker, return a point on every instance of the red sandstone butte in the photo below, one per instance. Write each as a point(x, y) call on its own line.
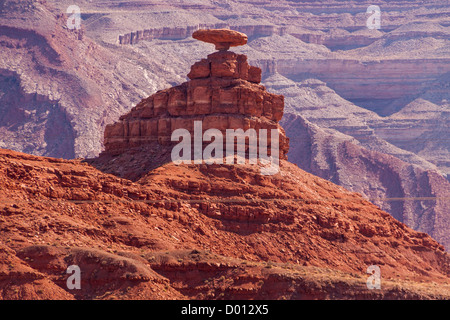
point(224, 93)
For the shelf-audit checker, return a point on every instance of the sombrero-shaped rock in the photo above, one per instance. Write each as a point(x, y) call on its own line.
point(222, 38)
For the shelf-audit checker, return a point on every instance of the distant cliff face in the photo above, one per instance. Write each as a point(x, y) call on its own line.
point(177, 33)
point(398, 161)
point(375, 84)
point(417, 197)
point(57, 86)
point(33, 122)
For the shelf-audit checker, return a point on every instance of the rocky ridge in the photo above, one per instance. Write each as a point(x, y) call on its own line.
point(162, 236)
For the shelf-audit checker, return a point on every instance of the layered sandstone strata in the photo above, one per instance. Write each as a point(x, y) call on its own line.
point(223, 39)
point(223, 93)
point(163, 235)
point(177, 33)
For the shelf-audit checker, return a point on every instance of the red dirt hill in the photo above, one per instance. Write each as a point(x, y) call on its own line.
point(205, 232)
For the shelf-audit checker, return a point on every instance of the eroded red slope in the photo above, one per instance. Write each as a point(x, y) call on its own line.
point(180, 230)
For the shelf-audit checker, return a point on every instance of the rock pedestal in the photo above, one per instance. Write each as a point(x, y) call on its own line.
point(223, 93)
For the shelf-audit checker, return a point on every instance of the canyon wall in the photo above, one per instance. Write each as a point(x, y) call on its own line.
point(177, 33)
point(374, 84)
point(413, 195)
point(32, 122)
